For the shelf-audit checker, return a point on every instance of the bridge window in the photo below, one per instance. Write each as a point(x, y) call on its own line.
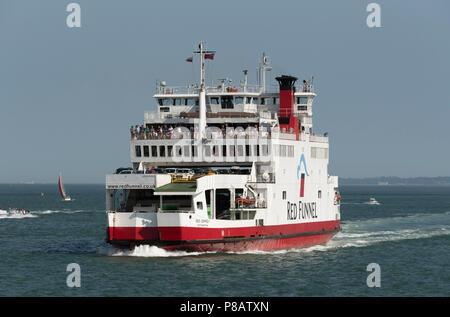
point(302, 100)
point(276, 101)
point(178, 102)
point(239, 100)
point(169, 150)
point(214, 100)
point(302, 108)
point(191, 101)
point(165, 102)
point(146, 151)
point(162, 151)
point(227, 102)
point(249, 100)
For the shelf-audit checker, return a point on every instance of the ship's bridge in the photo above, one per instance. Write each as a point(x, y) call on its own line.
point(183, 102)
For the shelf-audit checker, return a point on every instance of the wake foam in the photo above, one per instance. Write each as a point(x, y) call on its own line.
point(34, 213)
point(149, 251)
point(361, 233)
point(354, 234)
point(48, 212)
point(367, 232)
point(361, 203)
point(16, 216)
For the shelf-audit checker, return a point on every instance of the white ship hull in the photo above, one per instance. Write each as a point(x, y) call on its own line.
point(286, 219)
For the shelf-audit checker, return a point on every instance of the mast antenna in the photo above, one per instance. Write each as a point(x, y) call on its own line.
point(264, 67)
point(204, 54)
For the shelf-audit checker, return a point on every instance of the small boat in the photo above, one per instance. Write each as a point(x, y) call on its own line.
point(62, 191)
point(373, 201)
point(19, 211)
point(13, 211)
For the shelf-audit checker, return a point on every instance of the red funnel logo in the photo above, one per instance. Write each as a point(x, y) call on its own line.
point(301, 176)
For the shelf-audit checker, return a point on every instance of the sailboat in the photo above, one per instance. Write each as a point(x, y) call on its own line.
point(61, 190)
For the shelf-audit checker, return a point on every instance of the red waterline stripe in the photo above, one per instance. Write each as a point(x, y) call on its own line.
point(197, 233)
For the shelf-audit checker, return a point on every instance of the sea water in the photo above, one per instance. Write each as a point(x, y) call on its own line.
point(407, 236)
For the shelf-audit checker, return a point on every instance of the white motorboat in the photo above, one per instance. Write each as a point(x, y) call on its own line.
point(373, 201)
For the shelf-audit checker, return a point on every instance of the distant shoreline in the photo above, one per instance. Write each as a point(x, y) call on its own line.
point(379, 181)
point(391, 181)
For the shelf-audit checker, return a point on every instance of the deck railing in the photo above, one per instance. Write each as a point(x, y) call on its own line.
point(317, 138)
point(193, 89)
point(169, 135)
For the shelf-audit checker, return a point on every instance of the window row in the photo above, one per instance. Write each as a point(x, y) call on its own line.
point(302, 100)
point(227, 101)
point(178, 101)
point(208, 150)
point(270, 101)
point(319, 153)
point(282, 150)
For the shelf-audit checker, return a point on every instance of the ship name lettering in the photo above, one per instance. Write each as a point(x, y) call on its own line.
point(303, 211)
point(291, 211)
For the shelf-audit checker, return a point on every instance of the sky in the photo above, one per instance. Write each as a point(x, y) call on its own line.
point(69, 95)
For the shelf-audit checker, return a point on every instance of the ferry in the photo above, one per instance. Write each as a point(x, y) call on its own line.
point(226, 168)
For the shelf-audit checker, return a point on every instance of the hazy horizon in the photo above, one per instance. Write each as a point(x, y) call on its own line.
point(69, 95)
point(342, 178)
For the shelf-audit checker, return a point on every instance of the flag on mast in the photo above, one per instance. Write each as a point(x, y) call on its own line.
point(189, 59)
point(209, 55)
